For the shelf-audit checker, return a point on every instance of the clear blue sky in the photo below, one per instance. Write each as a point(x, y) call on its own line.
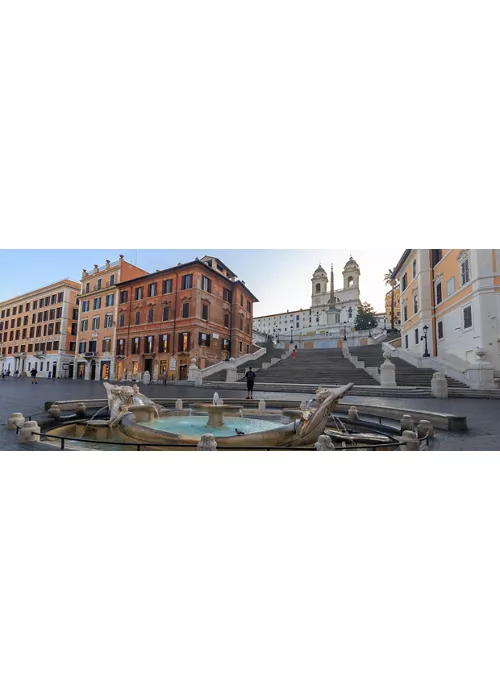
point(280, 279)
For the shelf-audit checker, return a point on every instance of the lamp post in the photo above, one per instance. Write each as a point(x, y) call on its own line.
point(345, 331)
point(424, 338)
point(385, 323)
point(291, 336)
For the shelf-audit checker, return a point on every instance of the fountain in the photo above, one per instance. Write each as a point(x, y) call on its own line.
point(216, 411)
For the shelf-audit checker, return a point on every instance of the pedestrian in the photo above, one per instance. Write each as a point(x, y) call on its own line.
point(294, 353)
point(164, 377)
point(16, 373)
point(8, 372)
point(33, 376)
point(250, 377)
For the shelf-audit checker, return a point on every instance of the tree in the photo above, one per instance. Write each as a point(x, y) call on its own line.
point(388, 279)
point(365, 318)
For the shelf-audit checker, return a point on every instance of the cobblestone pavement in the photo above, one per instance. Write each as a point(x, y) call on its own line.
point(483, 415)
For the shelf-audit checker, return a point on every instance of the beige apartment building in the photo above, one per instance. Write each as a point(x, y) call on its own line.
point(38, 331)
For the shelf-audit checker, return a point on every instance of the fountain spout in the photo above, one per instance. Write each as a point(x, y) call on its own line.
point(216, 399)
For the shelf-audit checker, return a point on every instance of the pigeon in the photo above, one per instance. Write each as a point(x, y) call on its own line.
point(239, 432)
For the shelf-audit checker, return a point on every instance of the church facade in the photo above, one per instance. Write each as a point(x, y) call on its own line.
point(330, 317)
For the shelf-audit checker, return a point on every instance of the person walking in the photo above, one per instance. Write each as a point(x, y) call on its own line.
point(33, 376)
point(250, 377)
point(294, 353)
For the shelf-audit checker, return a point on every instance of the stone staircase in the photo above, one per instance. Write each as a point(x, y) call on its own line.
point(315, 367)
point(256, 365)
point(406, 374)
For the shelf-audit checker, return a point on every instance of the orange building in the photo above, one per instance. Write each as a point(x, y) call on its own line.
point(198, 309)
point(38, 331)
point(388, 307)
point(450, 304)
point(98, 304)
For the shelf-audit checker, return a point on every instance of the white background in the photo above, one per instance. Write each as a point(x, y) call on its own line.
point(230, 576)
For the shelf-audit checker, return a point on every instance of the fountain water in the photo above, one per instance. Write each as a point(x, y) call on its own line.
point(90, 422)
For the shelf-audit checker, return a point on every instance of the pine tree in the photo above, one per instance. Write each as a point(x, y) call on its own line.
point(365, 318)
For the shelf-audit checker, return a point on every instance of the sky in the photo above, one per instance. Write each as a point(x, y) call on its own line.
point(280, 279)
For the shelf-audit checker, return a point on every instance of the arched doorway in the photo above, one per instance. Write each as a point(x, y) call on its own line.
point(92, 370)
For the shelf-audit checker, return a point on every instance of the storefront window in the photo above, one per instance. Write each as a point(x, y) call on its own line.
point(135, 369)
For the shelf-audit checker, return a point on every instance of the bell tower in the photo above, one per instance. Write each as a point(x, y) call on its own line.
point(319, 281)
point(351, 274)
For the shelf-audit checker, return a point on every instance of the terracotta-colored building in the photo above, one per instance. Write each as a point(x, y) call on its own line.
point(38, 330)
point(98, 304)
point(197, 309)
point(388, 307)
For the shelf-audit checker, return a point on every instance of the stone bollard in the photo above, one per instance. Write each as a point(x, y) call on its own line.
point(207, 442)
point(55, 412)
point(439, 386)
point(197, 378)
point(324, 443)
point(262, 405)
point(81, 409)
point(26, 432)
point(387, 372)
point(352, 414)
point(178, 405)
point(410, 440)
point(407, 423)
point(231, 370)
point(424, 428)
point(16, 420)
point(146, 377)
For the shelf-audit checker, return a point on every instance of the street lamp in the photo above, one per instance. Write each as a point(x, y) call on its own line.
point(424, 338)
point(385, 323)
point(291, 336)
point(345, 331)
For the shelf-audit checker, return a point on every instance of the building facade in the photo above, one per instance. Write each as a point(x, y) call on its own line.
point(98, 310)
point(38, 331)
point(450, 304)
point(196, 310)
point(397, 307)
point(332, 312)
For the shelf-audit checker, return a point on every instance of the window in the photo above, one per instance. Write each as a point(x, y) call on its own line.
point(108, 321)
point(436, 256)
point(110, 299)
point(99, 284)
point(163, 343)
point(204, 312)
point(41, 303)
point(93, 346)
point(415, 304)
point(49, 346)
point(82, 347)
point(137, 318)
point(464, 272)
point(60, 297)
point(51, 329)
point(404, 282)
point(226, 320)
point(52, 314)
point(72, 347)
point(416, 336)
point(450, 286)
point(111, 280)
point(204, 340)
point(106, 345)
point(123, 297)
point(166, 310)
point(87, 288)
point(39, 317)
point(227, 295)
point(85, 306)
point(32, 332)
point(139, 293)
point(152, 289)
point(45, 315)
point(95, 323)
point(439, 293)
point(151, 313)
point(53, 299)
point(84, 325)
point(18, 322)
point(187, 282)
point(136, 346)
point(406, 341)
point(414, 269)
point(58, 327)
point(167, 286)
point(241, 323)
point(297, 324)
point(249, 308)
point(25, 321)
point(122, 320)
point(206, 284)
point(241, 299)
point(241, 346)
point(440, 330)
point(97, 303)
point(27, 306)
point(468, 317)
point(405, 312)
point(149, 344)
point(185, 310)
point(74, 329)
point(184, 338)
point(120, 347)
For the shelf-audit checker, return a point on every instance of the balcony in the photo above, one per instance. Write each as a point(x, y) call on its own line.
point(89, 355)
